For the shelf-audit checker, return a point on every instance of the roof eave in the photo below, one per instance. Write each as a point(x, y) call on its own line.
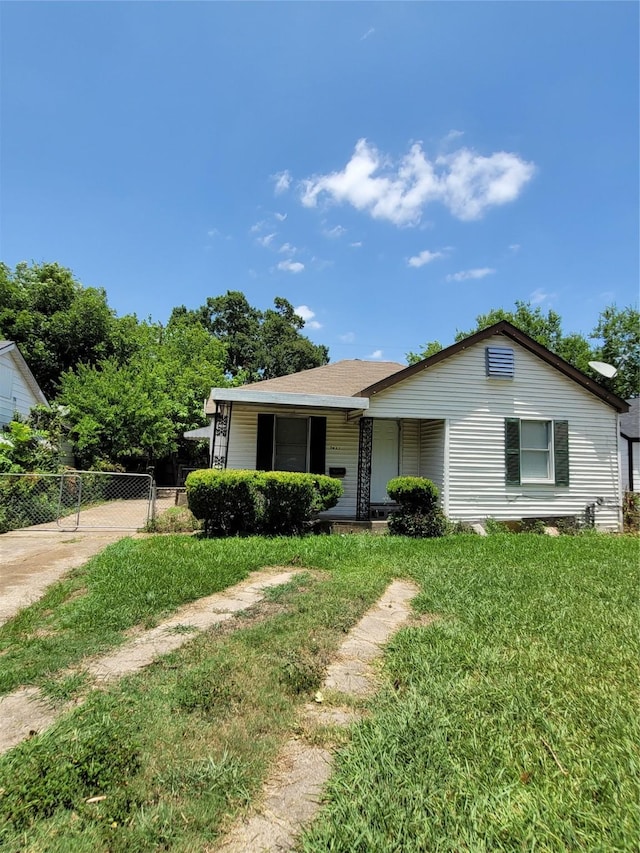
point(287, 398)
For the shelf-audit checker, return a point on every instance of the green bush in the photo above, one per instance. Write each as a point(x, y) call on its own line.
point(415, 492)
point(226, 501)
point(328, 492)
point(287, 502)
point(419, 514)
point(271, 502)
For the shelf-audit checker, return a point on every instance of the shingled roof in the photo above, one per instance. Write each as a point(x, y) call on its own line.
point(343, 378)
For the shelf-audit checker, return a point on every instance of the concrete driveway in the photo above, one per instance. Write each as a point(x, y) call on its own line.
point(33, 558)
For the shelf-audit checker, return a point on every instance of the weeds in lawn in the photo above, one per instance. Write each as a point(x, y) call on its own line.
point(508, 723)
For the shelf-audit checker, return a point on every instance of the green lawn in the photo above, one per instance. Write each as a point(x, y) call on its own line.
point(509, 723)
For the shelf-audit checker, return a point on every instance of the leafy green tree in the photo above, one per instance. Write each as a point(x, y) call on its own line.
point(259, 345)
point(55, 321)
point(619, 333)
point(136, 413)
point(544, 328)
point(429, 349)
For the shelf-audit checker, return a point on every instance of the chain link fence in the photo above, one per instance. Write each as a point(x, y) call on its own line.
point(76, 500)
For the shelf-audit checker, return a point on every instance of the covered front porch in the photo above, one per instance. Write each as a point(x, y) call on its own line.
point(388, 448)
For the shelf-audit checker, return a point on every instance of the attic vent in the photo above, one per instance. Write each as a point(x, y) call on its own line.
point(500, 362)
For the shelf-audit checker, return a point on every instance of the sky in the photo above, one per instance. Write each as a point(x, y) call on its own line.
point(392, 169)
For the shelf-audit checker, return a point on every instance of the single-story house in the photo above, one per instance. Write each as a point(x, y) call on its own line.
point(19, 391)
point(505, 428)
point(630, 447)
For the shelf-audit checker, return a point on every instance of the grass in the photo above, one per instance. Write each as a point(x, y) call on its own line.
point(509, 723)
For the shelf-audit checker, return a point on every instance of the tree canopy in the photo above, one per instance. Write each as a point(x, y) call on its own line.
point(616, 340)
point(259, 344)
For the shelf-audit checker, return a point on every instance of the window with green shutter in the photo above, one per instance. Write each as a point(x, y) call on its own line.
point(536, 451)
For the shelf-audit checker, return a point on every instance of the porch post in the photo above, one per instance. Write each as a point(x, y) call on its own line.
point(221, 429)
point(364, 468)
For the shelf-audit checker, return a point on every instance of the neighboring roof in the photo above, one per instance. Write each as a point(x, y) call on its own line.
point(630, 421)
point(9, 347)
point(510, 331)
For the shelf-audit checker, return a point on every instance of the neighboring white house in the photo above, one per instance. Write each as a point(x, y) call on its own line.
point(19, 391)
point(630, 447)
point(505, 428)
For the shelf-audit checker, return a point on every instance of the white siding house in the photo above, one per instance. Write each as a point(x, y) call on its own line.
point(19, 391)
point(503, 427)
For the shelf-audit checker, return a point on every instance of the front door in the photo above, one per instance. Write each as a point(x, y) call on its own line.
point(384, 458)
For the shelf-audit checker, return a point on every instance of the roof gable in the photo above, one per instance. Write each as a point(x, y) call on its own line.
point(11, 349)
point(515, 334)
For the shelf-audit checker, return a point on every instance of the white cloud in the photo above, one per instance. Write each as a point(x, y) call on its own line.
point(377, 353)
point(368, 33)
point(356, 245)
point(282, 181)
point(467, 183)
point(514, 247)
point(348, 338)
point(453, 134)
point(465, 275)
point(307, 315)
point(336, 231)
point(266, 240)
point(280, 216)
point(288, 249)
point(539, 296)
point(290, 266)
point(257, 226)
point(424, 258)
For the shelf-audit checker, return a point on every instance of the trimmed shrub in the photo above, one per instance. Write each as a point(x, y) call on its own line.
point(415, 492)
point(328, 491)
point(419, 514)
point(272, 502)
point(288, 501)
point(226, 501)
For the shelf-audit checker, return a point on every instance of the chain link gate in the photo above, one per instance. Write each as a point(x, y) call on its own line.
point(76, 500)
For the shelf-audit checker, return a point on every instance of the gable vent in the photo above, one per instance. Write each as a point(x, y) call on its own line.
point(500, 362)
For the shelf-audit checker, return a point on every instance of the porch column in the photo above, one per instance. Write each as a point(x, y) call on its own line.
point(365, 445)
point(221, 429)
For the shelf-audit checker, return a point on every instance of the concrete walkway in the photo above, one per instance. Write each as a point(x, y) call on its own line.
point(26, 711)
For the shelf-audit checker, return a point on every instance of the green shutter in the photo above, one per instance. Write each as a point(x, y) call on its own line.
point(317, 445)
point(512, 451)
point(561, 452)
point(264, 444)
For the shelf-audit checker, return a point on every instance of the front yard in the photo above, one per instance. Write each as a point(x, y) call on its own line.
point(508, 722)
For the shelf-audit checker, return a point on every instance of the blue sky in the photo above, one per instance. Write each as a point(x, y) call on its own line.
point(392, 169)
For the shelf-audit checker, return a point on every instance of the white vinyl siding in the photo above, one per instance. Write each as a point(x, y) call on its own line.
point(458, 390)
point(341, 447)
point(410, 448)
point(15, 394)
point(432, 452)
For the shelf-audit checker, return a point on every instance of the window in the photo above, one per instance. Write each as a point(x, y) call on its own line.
point(536, 451)
point(6, 381)
point(291, 444)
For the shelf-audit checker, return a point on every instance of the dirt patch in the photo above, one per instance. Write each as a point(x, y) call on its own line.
point(291, 796)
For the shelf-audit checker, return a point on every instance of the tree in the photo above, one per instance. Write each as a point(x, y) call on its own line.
point(259, 345)
point(55, 321)
point(137, 412)
point(619, 333)
point(429, 349)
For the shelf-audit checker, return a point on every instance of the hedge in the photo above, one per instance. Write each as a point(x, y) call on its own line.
point(271, 502)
